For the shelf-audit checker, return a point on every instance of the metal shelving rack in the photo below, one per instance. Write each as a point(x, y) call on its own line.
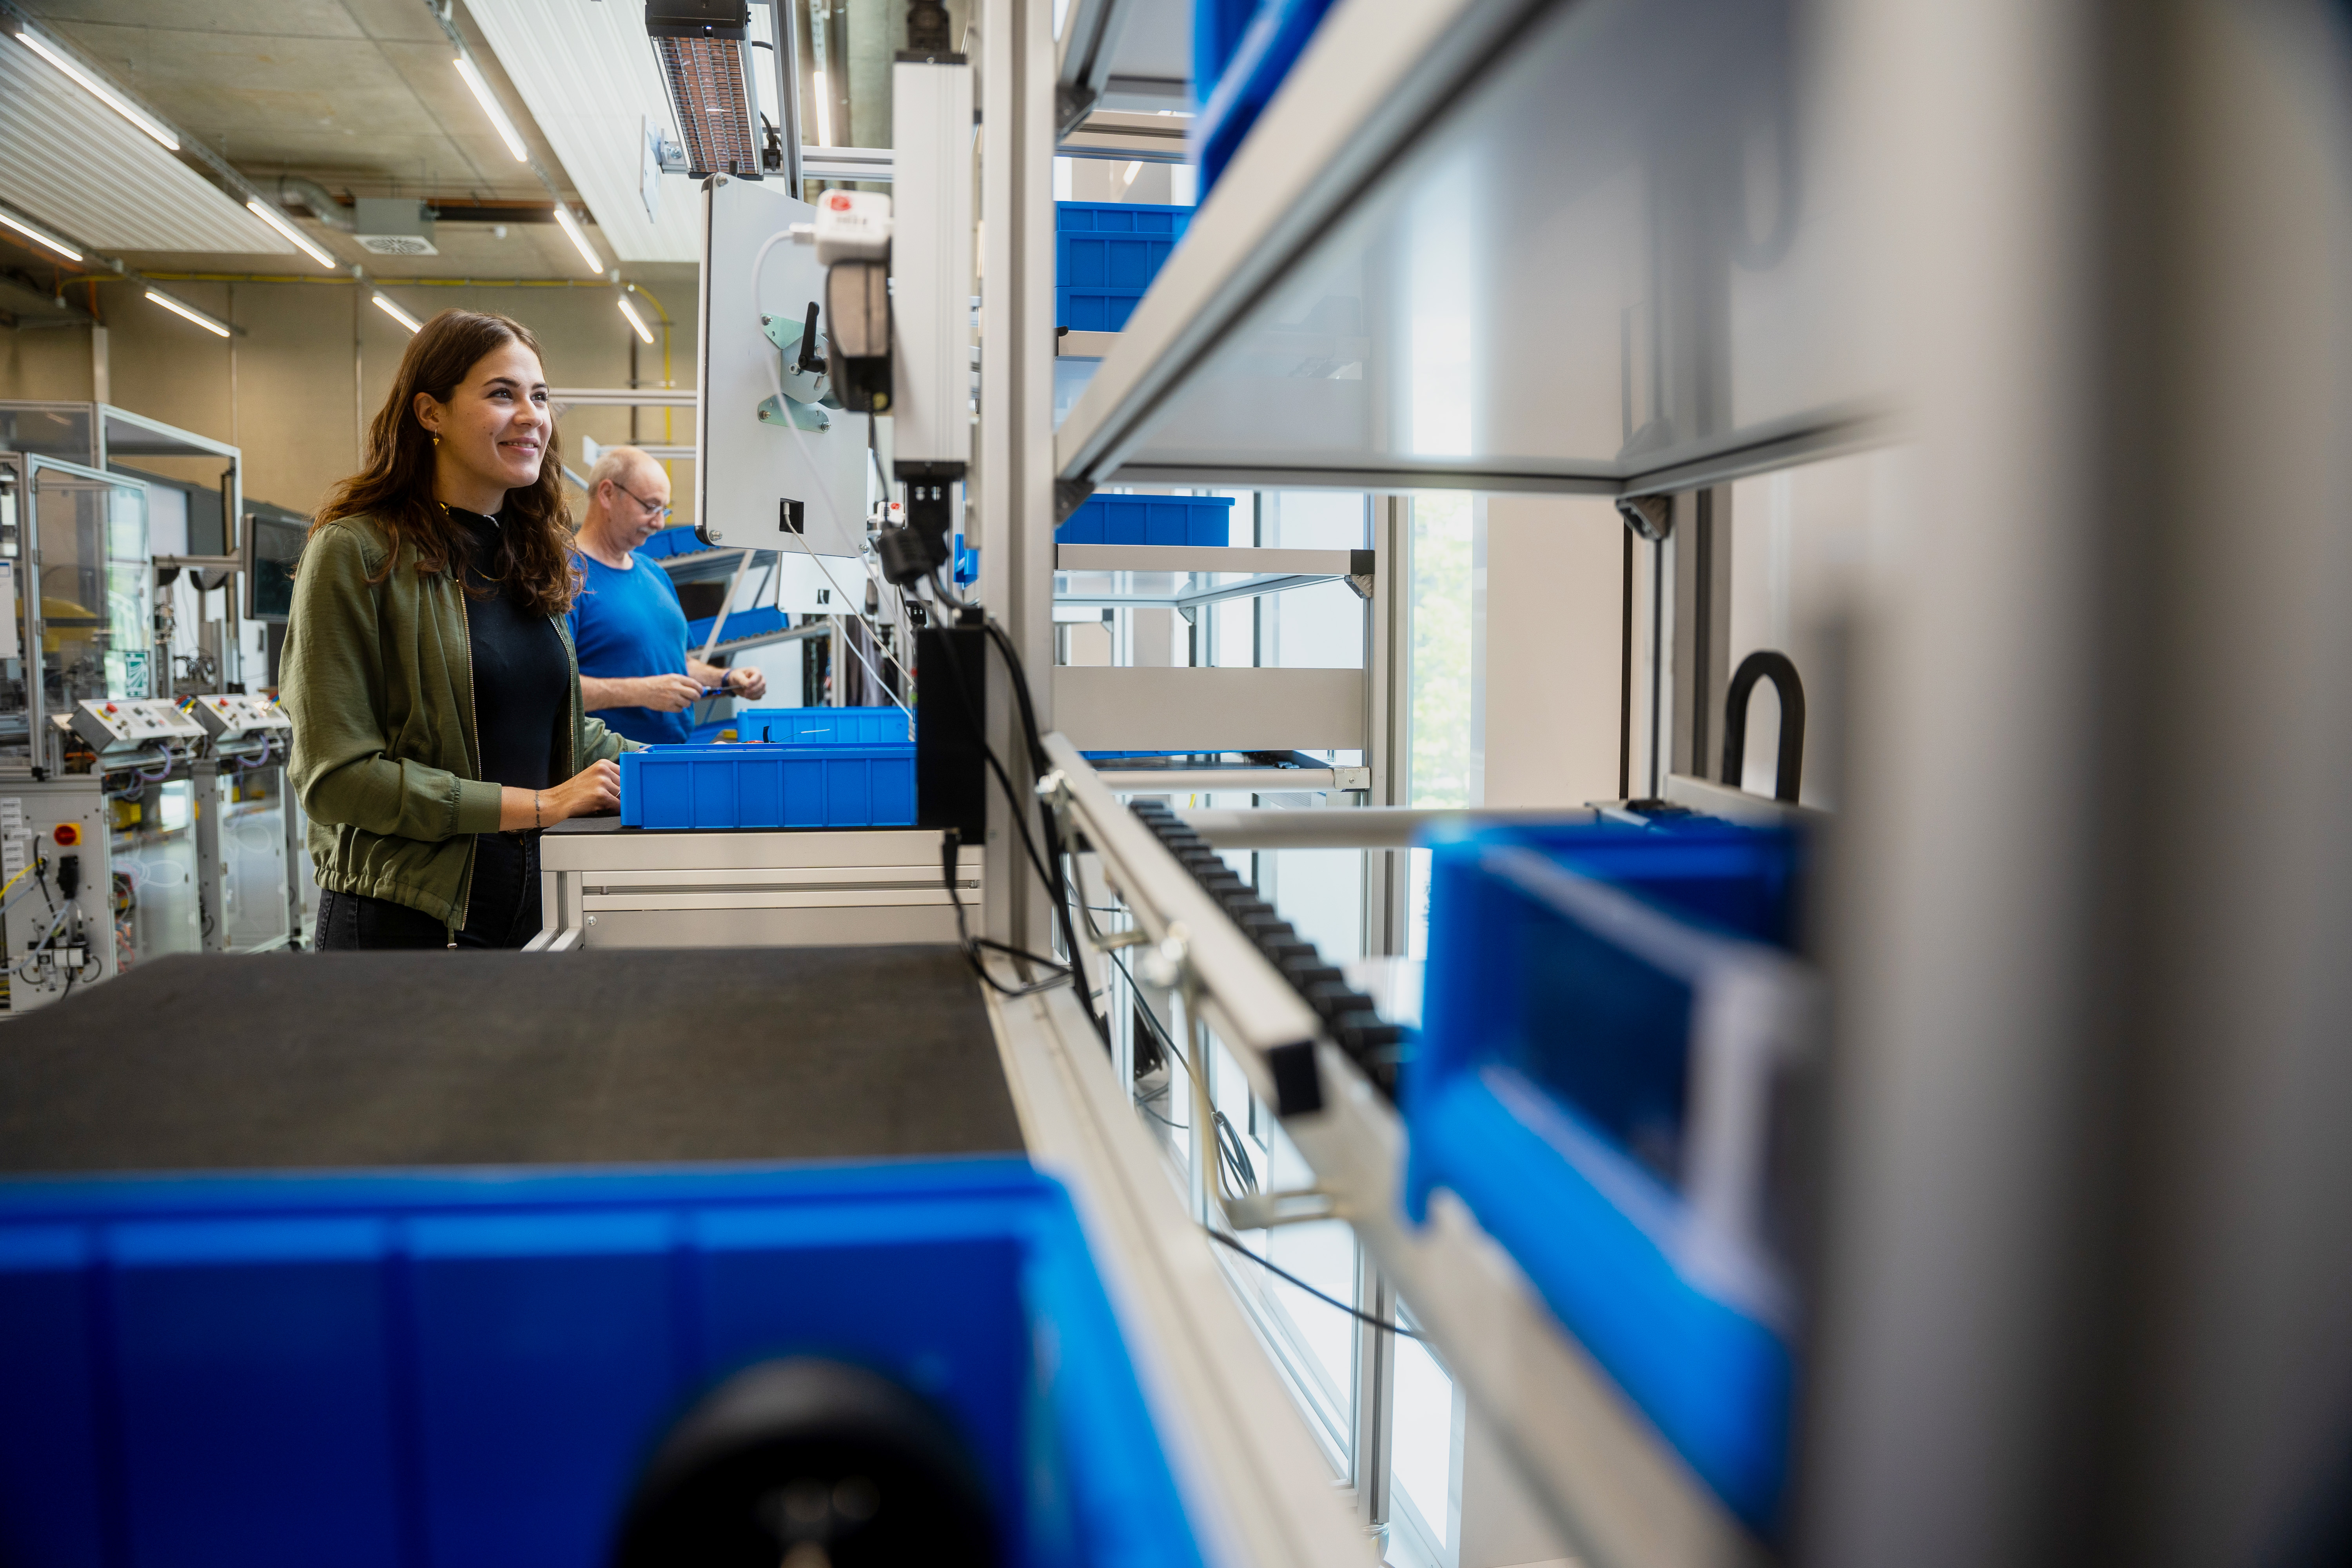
point(2077, 263)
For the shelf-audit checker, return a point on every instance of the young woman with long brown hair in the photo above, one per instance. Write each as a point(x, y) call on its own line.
point(433, 686)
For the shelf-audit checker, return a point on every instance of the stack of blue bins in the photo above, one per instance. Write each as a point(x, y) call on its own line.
point(791, 767)
point(1106, 255)
point(468, 1369)
point(1587, 988)
point(1149, 519)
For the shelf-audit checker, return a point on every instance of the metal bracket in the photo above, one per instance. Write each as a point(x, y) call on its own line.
point(1650, 517)
point(1264, 1211)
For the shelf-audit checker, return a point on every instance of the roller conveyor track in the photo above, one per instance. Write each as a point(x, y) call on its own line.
point(1376, 1047)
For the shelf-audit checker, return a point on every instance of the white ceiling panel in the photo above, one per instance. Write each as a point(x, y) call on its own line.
point(75, 164)
point(587, 74)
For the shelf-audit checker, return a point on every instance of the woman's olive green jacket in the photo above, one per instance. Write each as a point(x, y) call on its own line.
point(378, 677)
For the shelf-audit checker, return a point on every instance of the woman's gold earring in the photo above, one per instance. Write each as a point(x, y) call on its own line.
point(436, 440)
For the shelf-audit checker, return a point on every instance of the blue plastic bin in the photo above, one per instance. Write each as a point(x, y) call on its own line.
point(834, 785)
point(883, 725)
point(1149, 519)
point(413, 1369)
point(1106, 255)
point(668, 541)
point(1573, 976)
point(765, 621)
point(1241, 53)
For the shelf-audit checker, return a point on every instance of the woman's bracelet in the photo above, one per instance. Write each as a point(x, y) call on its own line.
point(536, 824)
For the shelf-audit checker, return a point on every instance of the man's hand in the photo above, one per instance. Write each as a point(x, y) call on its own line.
point(747, 682)
point(666, 693)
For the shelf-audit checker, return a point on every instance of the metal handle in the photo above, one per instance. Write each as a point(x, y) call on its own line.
point(1766, 665)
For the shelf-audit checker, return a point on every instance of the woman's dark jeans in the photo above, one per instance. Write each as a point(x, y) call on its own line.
point(502, 910)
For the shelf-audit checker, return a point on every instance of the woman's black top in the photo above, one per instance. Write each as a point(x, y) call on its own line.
point(521, 675)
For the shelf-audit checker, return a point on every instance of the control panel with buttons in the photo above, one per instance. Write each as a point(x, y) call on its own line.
point(229, 716)
point(125, 722)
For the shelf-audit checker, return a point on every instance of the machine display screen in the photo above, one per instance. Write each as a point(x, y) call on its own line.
point(273, 544)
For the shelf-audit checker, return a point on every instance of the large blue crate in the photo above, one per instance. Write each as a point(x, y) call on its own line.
point(1149, 519)
point(1242, 51)
point(835, 785)
point(823, 726)
point(1582, 982)
point(438, 1370)
point(1106, 255)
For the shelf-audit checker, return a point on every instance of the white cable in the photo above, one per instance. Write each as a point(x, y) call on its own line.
point(824, 491)
point(851, 644)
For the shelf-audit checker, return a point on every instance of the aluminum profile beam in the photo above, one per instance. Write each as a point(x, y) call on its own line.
point(1377, 71)
point(1090, 35)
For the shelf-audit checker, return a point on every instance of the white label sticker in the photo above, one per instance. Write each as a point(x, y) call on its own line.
point(11, 647)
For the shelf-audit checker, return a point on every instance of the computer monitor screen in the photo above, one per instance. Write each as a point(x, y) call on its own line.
point(273, 541)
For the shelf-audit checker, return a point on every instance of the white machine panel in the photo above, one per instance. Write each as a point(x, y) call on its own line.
point(752, 475)
point(230, 716)
point(110, 722)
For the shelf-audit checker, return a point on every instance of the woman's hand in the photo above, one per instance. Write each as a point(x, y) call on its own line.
point(593, 790)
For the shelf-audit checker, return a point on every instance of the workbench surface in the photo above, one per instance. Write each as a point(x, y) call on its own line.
point(343, 1060)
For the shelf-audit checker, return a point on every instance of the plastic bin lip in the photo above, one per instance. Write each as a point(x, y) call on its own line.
point(82, 1196)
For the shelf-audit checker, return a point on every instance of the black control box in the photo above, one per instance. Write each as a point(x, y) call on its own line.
point(950, 763)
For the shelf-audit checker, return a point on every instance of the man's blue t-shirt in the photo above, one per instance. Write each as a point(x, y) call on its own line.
point(630, 623)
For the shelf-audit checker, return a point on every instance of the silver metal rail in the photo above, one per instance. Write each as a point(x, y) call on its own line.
point(1257, 781)
point(1365, 828)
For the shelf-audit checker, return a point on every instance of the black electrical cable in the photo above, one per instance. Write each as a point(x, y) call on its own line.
point(1276, 1269)
point(1231, 1155)
point(1054, 883)
point(950, 841)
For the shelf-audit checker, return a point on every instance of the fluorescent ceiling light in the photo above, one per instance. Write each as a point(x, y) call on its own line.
point(284, 226)
point(482, 95)
point(98, 89)
point(40, 238)
point(635, 320)
point(824, 113)
point(571, 226)
point(397, 314)
point(190, 311)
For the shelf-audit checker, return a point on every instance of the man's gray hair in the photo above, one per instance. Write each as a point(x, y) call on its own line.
point(616, 463)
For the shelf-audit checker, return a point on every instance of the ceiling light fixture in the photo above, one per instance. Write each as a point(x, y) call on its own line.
point(635, 320)
point(39, 237)
point(579, 236)
point(285, 226)
point(96, 88)
point(823, 112)
point(397, 314)
point(211, 324)
point(483, 96)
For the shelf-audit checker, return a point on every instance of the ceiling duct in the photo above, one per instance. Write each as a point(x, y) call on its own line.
point(393, 226)
point(702, 46)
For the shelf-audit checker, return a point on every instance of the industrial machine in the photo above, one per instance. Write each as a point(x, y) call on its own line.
point(247, 854)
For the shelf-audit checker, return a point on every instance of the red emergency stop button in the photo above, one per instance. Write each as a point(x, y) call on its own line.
point(67, 834)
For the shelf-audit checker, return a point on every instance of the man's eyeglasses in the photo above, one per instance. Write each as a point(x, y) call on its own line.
point(652, 509)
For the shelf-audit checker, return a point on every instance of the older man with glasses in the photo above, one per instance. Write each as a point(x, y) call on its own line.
point(635, 670)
